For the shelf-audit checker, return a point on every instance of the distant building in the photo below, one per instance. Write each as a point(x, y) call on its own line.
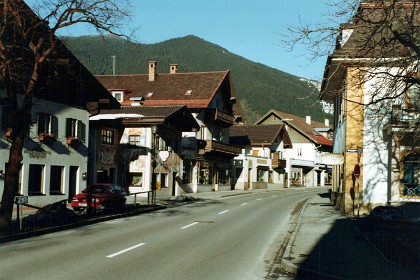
point(310, 140)
point(260, 164)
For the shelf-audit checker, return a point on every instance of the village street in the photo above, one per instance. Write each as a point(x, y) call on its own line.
point(234, 237)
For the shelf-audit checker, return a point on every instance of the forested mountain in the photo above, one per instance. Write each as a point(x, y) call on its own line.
point(259, 87)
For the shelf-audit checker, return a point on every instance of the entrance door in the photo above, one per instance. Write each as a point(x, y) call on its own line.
point(73, 181)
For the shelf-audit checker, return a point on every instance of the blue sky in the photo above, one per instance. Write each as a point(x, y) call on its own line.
point(249, 28)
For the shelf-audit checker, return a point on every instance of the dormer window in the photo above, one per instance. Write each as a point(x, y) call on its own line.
point(118, 95)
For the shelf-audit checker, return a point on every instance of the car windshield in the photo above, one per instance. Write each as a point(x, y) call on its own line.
point(97, 189)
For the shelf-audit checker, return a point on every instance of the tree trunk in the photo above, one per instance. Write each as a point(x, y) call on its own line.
point(12, 176)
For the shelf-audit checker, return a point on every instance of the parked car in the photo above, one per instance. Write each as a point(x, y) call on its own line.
point(101, 195)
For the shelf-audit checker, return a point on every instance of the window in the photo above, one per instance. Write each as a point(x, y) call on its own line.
point(134, 140)
point(299, 152)
point(36, 178)
point(118, 95)
point(411, 175)
point(56, 179)
point(47, 124)
point(412, 99)
point(107, 136)
point(75, 128)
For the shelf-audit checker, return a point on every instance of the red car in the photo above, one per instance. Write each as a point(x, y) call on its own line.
point(102, 196)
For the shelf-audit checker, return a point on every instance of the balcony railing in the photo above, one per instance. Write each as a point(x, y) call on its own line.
point(401, 114)
point(211, 145)
point(278, 163)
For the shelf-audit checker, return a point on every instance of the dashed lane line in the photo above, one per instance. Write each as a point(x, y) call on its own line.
point(223, 212)
point(125, 250)
point(190, 225)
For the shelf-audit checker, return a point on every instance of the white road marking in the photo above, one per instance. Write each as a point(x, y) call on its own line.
point(259, 198)
point(223, 212)
point(125, 250)
point(274, 195)
point(244, 204)
point(190, 225)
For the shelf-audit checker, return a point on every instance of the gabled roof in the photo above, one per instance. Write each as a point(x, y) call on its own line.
point(258, 135)
point(300, 125)
point(63, 78)
point(195, 90)
point(176, 116)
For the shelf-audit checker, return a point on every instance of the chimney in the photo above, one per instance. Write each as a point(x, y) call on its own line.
point(308, 119)
point(152, 70)
point(327, 122)
point(173, 68)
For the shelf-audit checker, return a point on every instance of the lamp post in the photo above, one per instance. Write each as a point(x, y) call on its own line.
point(154, 163)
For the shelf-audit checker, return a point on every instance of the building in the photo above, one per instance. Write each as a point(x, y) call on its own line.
point(304, 165)
point(210, 97)
point(261, 163)
point(141, 147)
point(376, 113)
point(56, 146)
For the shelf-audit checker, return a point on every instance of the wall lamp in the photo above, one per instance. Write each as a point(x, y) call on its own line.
point(2, 175)
point(84, 176)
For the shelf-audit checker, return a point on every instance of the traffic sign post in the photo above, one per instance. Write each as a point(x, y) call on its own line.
point(19, 200)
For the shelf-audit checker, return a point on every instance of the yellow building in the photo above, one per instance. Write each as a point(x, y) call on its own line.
point(376, 110)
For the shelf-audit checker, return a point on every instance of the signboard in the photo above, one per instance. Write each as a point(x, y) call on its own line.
point(21, 199)
point(332, 159)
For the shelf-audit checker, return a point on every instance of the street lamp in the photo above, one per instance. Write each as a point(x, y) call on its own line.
point(154, 163)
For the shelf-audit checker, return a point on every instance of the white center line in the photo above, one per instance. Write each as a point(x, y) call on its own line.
point(125, 250)
point(190, 225)
point(244, 204)
point(223, 212)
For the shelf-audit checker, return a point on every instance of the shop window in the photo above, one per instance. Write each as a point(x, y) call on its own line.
point(56, 179)
point(136, 179)
point(224, 176)
point(261, 175)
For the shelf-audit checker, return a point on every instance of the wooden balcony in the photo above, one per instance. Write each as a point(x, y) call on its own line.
point(278, 163)
point(214, 146)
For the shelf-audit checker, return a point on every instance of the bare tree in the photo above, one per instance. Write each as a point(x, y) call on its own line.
point(28, 44)
point(379, 37)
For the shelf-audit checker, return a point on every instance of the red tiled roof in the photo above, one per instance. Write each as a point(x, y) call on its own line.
point(195, 90)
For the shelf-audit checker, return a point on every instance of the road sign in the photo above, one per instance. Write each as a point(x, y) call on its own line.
point(21, 199)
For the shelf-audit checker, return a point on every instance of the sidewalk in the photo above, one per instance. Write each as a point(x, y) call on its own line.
point(327, 245)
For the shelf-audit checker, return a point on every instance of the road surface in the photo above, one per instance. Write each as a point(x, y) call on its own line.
point(235, 237)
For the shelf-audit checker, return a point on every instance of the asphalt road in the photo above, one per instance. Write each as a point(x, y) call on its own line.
point(234, 237)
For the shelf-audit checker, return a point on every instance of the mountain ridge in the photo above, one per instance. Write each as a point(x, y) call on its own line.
point(273, 88)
